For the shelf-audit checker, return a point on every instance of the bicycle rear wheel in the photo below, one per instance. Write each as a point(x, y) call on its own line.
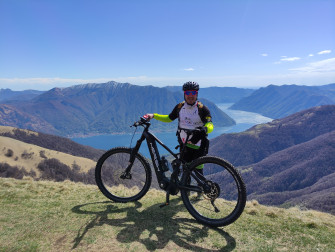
point(223, 195)
point(114, 183)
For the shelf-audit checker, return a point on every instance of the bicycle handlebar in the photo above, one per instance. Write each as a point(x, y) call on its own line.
point(145, 121)
point(141, 122)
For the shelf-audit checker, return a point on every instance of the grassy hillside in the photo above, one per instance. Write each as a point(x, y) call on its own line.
point(51, 142)
point(67, 216)
point(41, 156)
point(17, 153)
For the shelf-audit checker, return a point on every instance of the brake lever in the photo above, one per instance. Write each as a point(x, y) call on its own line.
point(141, 122)
point(134, 125)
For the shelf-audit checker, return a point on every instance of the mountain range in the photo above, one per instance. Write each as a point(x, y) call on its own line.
point(262, 140)
point(8, 94)
point(96, 109)
point(289, 161)
point(280, 101)
point(86, 109)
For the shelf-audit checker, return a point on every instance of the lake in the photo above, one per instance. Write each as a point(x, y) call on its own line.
point(244, 120)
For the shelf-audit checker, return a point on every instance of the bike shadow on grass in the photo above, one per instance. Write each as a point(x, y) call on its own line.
point(154, 227)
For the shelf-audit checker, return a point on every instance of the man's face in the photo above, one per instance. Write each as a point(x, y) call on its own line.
point(191, 96)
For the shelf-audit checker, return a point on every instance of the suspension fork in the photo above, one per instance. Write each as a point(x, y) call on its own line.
point(126, 174)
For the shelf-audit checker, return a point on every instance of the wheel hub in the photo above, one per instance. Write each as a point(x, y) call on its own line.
point(214, 190)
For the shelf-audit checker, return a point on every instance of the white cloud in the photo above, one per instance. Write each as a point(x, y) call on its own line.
point(299, 76)
point(264, 54)
point(327, 65)
point(310, 55)
point(46, 83)
point(290, 59)
point(49, 83)
point(325, 52)
point(189, 69)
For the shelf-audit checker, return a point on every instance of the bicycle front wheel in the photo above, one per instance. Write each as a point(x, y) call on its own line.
point(223, 194)
point(117, 185)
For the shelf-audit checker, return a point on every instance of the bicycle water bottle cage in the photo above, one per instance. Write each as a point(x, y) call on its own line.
point(164, 164)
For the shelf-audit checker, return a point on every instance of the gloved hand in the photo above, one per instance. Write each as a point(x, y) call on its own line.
point(148, 116)
point(198, 134)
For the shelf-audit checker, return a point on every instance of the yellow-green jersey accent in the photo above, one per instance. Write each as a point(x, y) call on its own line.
point(209, 126)
point(162, 118)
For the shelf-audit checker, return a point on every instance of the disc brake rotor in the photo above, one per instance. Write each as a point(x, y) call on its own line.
point(214, 191)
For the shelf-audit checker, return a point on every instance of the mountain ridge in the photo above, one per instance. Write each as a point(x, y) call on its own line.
point(97, 109)
point(283, 161)
point(7, 94)
point(261, 140)
point(280, 101)
point(288, 177)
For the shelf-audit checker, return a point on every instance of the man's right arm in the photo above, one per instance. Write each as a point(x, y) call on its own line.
point(164, 118)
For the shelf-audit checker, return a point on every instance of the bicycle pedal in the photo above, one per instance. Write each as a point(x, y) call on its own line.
point(164, 205)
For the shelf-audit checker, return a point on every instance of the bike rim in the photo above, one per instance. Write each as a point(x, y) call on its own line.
point(224, 198)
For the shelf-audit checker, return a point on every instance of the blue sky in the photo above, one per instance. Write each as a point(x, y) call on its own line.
point(244, 43)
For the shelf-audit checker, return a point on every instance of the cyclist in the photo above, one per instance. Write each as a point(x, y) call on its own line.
point(191, 114)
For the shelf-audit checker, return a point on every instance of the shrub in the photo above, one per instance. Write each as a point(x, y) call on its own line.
point(26, 155)
point(42, 154)
point(53, 169)
point(8, 171)
point(9, 153)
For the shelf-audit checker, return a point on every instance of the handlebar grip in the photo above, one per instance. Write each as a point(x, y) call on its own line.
point(143, 119)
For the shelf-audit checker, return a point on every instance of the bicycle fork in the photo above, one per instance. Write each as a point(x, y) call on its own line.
point(126, 174)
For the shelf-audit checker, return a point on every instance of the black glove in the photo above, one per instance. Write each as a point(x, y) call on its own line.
point(198, 134)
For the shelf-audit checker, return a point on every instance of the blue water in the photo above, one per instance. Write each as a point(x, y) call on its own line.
point(244, 120)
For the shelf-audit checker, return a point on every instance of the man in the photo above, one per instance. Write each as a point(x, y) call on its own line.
point(193, 115)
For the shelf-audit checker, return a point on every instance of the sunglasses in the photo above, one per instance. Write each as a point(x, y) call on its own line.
point(191, 92)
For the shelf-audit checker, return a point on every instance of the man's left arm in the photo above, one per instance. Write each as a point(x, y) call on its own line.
point(207, 120)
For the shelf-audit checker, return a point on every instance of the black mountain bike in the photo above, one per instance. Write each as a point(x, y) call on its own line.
point(215, 198)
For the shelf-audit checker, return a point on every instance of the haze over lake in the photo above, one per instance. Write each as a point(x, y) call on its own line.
point(244, 120)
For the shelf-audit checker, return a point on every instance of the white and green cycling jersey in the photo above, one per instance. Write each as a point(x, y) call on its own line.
point(189, 117)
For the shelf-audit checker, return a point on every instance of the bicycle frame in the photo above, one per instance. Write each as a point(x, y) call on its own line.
point(172, 184)
point(153, 150)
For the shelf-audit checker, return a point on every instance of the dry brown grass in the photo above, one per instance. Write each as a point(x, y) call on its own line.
point(33, 157)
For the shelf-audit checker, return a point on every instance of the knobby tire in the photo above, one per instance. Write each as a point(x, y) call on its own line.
point(109, 170)
point(227, 189)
